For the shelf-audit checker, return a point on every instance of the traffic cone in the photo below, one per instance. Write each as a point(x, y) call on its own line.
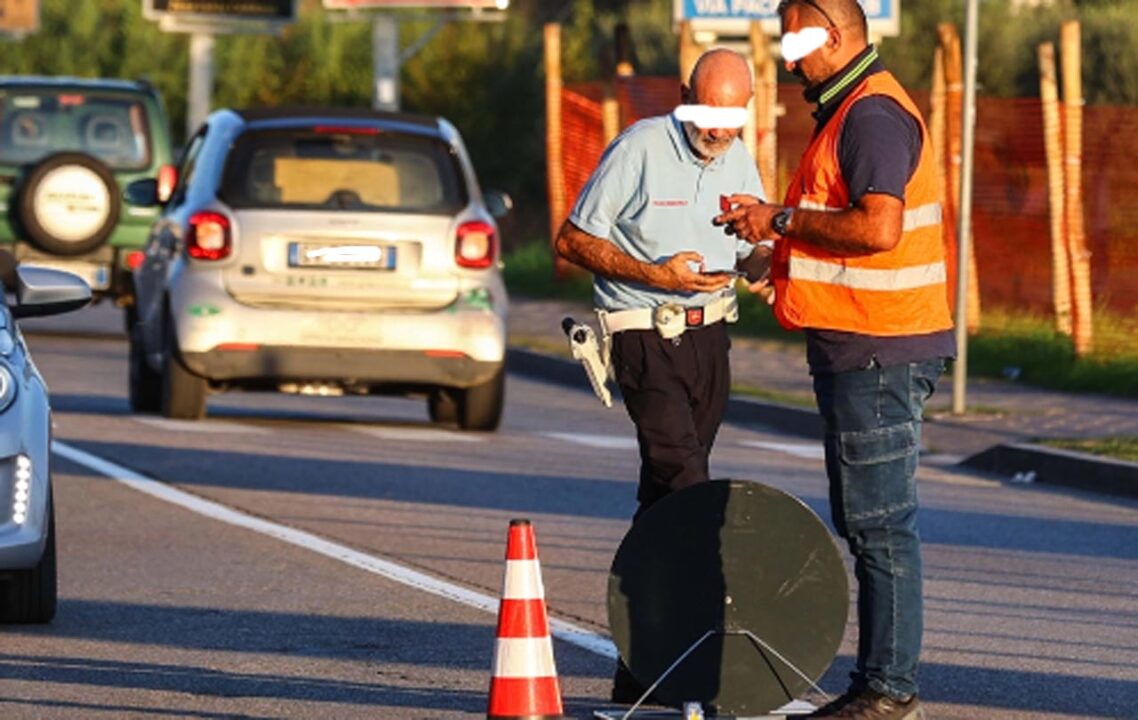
point(524, 681)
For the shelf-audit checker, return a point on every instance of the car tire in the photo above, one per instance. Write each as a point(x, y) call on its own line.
point(442, 406)
point(145, 385)
point(480, 407)
point(183, 393)
point(30, 596)
point(48, 212)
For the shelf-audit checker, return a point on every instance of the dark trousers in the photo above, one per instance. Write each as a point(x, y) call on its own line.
point(676, 392)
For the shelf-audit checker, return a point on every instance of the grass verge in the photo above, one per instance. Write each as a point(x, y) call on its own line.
point(1119, 448)
point(1011, 345)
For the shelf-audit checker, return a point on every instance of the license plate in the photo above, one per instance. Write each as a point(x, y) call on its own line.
point(327, 255)
point(98, 277)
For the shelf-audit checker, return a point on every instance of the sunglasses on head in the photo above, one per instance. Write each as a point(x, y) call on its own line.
point(785, 4)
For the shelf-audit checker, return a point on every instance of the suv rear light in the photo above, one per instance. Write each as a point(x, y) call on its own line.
point(209, 237)
point(475, 244)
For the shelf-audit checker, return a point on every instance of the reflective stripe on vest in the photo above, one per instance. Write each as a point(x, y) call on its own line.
point(925, 215)
point(867, 278)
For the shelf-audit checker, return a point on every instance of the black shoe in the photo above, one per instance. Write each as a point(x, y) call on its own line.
point(868, 704)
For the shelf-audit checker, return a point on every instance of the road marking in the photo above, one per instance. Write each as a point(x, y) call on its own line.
point(560, 629)
point(414, 434)
point(607, 442)
point(199, 426)
point(810, 451)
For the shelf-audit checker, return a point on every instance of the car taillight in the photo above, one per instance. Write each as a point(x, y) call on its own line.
point(209, 237)
point(475, 244)
point(134, 258)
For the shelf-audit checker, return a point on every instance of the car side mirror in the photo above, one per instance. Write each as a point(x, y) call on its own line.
point(46, 291)
point(498, 203)
point(142, 193)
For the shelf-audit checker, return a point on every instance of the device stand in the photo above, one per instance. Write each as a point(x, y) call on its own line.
point(796, 707)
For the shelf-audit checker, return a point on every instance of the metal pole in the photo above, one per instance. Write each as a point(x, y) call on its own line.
point(385, 61)
point(964, 226)
point(201, 80)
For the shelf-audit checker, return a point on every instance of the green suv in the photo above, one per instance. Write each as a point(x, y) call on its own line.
point(68, 146)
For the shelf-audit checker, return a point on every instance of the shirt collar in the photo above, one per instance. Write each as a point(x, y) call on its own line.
point(683, 147)
point(830, 94)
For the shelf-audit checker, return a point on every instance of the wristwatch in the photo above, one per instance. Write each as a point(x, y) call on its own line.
point(781, 221)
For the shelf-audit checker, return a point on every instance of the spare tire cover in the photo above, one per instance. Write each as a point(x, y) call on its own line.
point(69, 204)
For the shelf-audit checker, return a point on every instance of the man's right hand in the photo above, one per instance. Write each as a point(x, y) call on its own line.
point(676, 273)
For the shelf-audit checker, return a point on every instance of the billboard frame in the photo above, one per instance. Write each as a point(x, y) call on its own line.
point(452, 5)
point(21, 33)
point(218, 23)
point(888, 24)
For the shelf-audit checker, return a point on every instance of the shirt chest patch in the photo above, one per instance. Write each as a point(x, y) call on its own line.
point(669, 203)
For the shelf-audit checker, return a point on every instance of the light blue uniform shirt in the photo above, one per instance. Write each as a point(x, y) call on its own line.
point(652, 197)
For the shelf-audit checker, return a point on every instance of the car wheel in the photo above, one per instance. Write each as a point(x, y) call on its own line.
point(441, 406)
point(68, 204)
point(183, 393)
point(145, 385)
point(480, 407)
point(30, 596)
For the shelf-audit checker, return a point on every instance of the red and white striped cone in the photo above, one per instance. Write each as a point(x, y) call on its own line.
point(524, 682)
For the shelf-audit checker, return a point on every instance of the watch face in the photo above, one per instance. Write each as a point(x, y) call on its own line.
point(780, 221)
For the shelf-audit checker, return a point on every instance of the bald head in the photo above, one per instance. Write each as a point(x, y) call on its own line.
point(722, 78)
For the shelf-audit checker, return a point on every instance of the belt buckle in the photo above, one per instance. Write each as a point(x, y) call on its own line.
point(693, 317)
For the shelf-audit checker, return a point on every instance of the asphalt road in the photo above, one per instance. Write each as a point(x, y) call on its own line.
point(264, 563)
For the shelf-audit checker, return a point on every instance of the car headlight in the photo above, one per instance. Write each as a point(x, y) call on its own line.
point(7, 387)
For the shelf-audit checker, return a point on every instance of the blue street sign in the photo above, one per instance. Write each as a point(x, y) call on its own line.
point(884, 15)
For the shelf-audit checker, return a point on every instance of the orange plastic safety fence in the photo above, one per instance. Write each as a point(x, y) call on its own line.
point(1010, 219)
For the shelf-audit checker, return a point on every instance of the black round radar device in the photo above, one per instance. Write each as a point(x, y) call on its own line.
point(733, 592)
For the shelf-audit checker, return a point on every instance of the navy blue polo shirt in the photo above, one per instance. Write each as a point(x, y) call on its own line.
point(878, 152)
point(653, 197)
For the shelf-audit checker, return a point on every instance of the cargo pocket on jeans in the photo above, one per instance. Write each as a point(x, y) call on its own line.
point(878, 469)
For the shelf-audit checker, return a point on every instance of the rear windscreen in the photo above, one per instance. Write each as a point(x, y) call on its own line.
point(34, 124)
point(355, 170)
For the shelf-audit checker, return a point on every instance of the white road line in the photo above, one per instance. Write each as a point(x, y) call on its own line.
point(607, 442)
point(559, 629)
point(198, 426)
point(812, 451)
point(414, 434)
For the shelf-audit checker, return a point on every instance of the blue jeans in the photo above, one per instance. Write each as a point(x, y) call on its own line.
point(873, 441)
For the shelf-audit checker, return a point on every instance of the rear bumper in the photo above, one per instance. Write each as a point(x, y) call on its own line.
point(350, 366)
point(221, 339)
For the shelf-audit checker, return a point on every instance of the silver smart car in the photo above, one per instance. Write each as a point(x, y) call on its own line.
point(27, 517)
point(322, 252)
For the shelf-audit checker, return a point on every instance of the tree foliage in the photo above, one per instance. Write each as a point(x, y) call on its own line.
point(487, 78)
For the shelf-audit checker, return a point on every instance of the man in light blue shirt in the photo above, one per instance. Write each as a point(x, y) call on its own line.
point(664, 275)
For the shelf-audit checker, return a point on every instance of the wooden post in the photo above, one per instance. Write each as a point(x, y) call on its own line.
point(610, 113)
point(953, 108)
point(689, 51)
point(1082, 323)
point(1052, 145)
point(954, 92)
point(554, 170)
point(937, 119)
point(766, 103)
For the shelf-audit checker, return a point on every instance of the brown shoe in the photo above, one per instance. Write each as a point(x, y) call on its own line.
point(868, 704)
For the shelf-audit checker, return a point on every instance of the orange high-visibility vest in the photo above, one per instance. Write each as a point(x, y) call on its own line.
point(902, 291)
